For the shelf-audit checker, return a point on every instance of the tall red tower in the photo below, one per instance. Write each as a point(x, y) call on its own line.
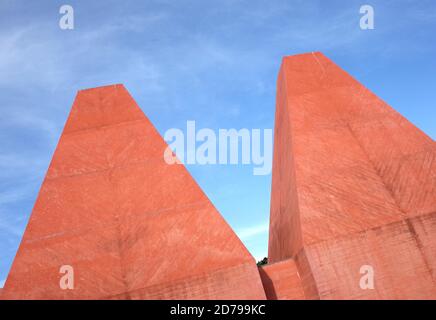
point(354, 185)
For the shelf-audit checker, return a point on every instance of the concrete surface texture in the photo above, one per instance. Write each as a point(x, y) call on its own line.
point(353, 185)
point(131, 226)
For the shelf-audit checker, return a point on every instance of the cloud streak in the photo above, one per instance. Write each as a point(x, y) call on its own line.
point(252, 231)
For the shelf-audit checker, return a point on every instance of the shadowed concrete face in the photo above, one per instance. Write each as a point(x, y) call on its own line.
point(130, 225)
point(353, 184)
point(281, 281)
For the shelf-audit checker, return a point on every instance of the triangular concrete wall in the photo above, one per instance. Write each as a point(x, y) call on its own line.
point(129, 224)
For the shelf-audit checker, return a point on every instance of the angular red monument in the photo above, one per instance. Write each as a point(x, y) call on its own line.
point(130, 225)
point(353, 189)
point(354, 184)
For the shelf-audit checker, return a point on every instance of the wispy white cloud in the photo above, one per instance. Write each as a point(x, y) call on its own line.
point(11, 224)
point(13, 195)
point(39, 56)
point(2, 283)
point(252, 231)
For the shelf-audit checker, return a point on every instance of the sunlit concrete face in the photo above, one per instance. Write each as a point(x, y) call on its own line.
point(353, 185)
point(353, 189)
point(130, 225)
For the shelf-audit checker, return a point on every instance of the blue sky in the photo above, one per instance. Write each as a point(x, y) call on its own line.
point(214, 62)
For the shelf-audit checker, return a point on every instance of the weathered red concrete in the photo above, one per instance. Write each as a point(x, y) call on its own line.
point(353, 184)
point(281, 281)
point(131, 226)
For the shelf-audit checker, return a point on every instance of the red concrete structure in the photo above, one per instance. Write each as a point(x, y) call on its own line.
point(130, 225)
point(281, 281)
point(353, 184)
